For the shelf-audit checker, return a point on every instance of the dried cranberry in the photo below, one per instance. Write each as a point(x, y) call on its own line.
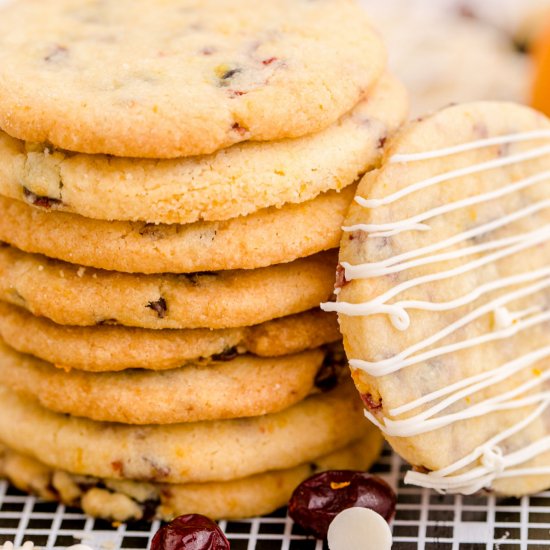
point(370, 402)
point(317, 501)
point(228, 354)
point(341, 280)
point(190, 532)
point(331, 371)
point(327, 376)
point(159, 307)
point(239, 129)
point(38, 200)
point(382, 142)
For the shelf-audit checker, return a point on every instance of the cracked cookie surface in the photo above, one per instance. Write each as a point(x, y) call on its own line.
point(130, 78)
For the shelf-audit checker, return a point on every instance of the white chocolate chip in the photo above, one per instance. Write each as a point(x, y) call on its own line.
point(28, 545)
point(359, 529)
point(502, 318)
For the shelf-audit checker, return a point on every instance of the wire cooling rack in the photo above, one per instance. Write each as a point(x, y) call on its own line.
point(424, 521)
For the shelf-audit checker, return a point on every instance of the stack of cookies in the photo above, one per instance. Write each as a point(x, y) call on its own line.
point(173, 181)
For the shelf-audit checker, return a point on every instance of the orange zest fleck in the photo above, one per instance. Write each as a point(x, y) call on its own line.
point(335, 485)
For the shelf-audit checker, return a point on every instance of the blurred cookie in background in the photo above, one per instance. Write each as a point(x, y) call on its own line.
point(455, 51)
point(520, 19)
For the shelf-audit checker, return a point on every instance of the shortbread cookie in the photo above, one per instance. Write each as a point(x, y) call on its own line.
point(231, 183)
point(73, 295)
point(247, 242)
point(115, 348)
point(241, 387)
point(131, 78)
point(180, 453)
point(445, 258)
point(124, 500)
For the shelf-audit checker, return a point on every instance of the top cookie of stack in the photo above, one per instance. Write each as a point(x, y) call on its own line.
point(141, 141)
point(133, 78)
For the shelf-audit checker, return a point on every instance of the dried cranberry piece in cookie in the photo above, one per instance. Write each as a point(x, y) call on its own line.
point(341, 280)
point(40, 200)
point(159, 306)
point(319, 499)
point(190, 532)
point(228, 354)
point(370, 402)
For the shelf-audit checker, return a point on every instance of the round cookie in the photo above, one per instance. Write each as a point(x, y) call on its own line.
point(242, 387)
point(114, 348)
point(180, 78)
point(125, 500)
point(73, 295)
point(231, 183)
point(257, 240)
point(180, 453)
point(445, 258)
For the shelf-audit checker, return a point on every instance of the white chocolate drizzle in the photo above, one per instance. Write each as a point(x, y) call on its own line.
point(415, 223)
point(392, 265)
point(445, 406)
point(472, 145)
point(453, 174)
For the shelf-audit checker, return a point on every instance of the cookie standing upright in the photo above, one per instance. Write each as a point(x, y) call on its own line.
point(135, 79)
point(445, 259)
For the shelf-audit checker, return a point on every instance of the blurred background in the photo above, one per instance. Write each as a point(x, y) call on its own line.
point(448, 51)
